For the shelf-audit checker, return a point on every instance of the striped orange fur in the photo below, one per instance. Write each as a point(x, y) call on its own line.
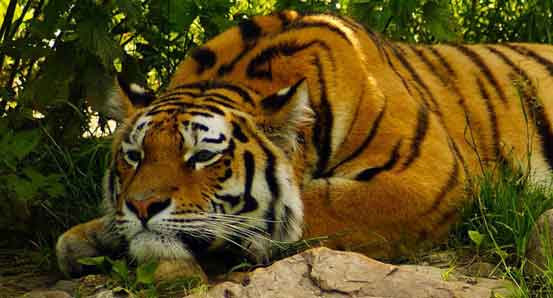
point(324, 129)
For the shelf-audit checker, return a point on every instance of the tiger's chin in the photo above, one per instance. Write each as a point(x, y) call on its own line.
point(149, 245)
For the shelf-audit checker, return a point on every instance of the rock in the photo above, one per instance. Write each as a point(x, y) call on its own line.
point(322, 272)
point(108, 294)
point(479, 269)
point(47, 294)
point(536, 251)
point(440, 259)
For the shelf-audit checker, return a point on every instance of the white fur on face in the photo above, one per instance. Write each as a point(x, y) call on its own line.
point(223, 221)
point(205, 133)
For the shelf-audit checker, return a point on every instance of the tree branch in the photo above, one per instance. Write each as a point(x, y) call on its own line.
point(5, 29)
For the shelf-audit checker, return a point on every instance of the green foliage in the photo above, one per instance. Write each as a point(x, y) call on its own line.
point(415, 21)
point(497, 224)
point(501, 21)
point(139, 281)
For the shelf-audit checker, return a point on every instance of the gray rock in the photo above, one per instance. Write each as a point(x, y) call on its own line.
point(540, 243)
point(322, 272)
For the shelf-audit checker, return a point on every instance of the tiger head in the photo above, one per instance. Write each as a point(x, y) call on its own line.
point(205, 166)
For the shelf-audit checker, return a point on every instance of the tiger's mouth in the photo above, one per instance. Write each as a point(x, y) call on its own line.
point(146, 245)
point(158, 239)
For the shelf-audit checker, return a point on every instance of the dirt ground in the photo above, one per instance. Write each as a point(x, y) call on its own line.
point(21, 273)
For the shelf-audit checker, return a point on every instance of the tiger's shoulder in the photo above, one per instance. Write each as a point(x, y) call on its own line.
point(242, 53)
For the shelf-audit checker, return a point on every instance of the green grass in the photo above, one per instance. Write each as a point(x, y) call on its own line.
point(497, 224)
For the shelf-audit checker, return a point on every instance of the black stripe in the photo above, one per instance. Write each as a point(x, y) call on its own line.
point(369, 174)
point(276, 101)
point(256, 69)
point(444, 62)
point(537, 113)
point(274, 188)
point(250, 203)
point(199, 126)
point(214, 110)
point(477, 60)
point(323, 124)
point(226, 176)
point(250, 31)
point(365, 144)
point(355, 117)
point(286, 218)
point(493, 117)
point(220, 96)
point(174, 95)
point(532, 103)
point(218, 140)
point(420, 134)
point(283, 18)
point(177, 104)
point(318, 24)
point(398, 74)
point(159, 111)
point(238, 134)
point(232, 200)
point(230, 149)
point(219, 102)
point(205, 58)
point(420, 54)
point(112, 181)
point(532, 54)
point(198, 113)
point(397, 53)
point(210, 85)
point(452, 83)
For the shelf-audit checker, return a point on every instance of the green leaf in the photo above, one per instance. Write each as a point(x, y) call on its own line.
point(94, 36)
point(438, 19)
point(93, 261)
point(476, 237)
point(54, 188)
point(24, 190)
point(130, 8)
point(145, 272)
point(24, 49)
point(177, 14)
point(23, 143)
point(120, 269)
point(36, 177)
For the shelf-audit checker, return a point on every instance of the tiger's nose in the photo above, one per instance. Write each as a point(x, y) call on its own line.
point(146, 209)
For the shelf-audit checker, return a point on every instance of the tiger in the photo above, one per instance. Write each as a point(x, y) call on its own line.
point(297, 126)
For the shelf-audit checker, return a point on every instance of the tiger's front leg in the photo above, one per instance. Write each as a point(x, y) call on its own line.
point(97, 238)
point(384, 213)
point(89, 239)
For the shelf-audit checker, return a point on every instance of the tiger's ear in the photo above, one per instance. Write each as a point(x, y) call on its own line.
point(126, 99)
point(285, 113)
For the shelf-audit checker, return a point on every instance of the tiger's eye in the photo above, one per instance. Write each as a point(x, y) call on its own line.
point(202, 156)
point(134, 155)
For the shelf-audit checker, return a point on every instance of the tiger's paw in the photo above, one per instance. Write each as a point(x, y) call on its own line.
point(70, 248)
point(170, 269)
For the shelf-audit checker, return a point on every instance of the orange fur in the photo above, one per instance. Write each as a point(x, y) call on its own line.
point(381, 148)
